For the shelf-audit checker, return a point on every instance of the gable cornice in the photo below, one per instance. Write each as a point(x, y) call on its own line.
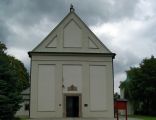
point(71, 54)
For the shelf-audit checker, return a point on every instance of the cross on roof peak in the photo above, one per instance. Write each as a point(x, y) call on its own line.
point(72, 8)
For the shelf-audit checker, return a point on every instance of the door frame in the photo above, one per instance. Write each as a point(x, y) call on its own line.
point(64, 103)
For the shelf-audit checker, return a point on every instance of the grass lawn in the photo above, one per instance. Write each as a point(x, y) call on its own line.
point(21, 118)
point(143, 117)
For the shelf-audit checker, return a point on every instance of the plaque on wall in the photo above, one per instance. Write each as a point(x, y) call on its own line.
point(72, 88)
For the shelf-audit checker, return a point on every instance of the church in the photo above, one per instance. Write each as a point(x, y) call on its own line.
point(71, 73)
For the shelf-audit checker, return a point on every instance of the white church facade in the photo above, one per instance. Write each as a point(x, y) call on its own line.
point(71, 73)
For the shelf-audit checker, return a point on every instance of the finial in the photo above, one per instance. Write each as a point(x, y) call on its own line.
point(72, 8)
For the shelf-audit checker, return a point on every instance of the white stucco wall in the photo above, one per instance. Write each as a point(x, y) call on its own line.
point(98, 87)
point(95, 85)
point(72, 35)
point(46, 87)
point(72, 75)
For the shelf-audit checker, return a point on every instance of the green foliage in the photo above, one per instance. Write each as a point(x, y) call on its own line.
point(13, 80)
point(140, 87)
point(2, 48)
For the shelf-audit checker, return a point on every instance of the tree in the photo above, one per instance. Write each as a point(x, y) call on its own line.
point(140, 86)
point(13, 80)
point(2, 48)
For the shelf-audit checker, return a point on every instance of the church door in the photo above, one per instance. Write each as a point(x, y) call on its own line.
point(72, 106)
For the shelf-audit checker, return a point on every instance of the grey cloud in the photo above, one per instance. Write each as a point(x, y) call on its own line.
point(149, 32)
point(31, 11)
point(4, 32)
point(124, 60)
point(27, 13)
point(104, 10)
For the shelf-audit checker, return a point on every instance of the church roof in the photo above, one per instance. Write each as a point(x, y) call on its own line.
point(71, 35)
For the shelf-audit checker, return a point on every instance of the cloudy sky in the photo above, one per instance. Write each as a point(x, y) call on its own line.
point(126, 27)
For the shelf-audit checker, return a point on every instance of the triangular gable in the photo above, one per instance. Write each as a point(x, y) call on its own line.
point(92, 44)
point(52, 43)
point(71, 35)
